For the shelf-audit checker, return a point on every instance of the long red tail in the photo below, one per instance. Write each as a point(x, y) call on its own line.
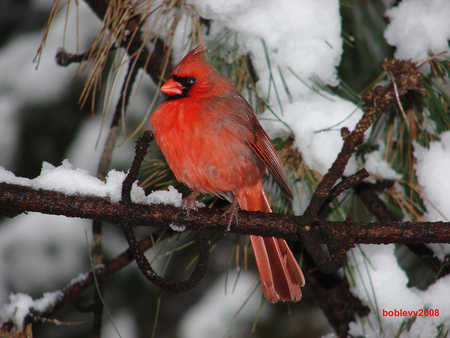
point(279, 271)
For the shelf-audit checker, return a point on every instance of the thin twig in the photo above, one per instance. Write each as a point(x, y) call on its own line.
point(128, 219)
point(72, 290)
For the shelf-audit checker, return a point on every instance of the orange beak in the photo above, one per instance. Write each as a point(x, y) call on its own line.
point(172, 87)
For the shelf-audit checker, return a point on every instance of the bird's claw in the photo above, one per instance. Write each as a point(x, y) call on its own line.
point(189, 203)
point(233, 211)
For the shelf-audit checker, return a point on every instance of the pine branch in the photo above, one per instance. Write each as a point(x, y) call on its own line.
point(153, 61)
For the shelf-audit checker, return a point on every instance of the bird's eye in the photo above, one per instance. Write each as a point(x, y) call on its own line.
point(190, 80)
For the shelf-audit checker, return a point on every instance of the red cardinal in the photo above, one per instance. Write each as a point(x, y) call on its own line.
point(214, 144)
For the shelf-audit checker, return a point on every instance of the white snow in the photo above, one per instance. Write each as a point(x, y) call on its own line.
point(295, 37)
point(432, 174)
point(170, 196)
point(417, 27)
point(316, 121)
point(382, 284)
point(376, 164)
point(71, 181)
point(177, 227)
point(68, 180)
point(20, 304)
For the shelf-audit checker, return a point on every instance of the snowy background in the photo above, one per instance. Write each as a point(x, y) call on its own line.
point(293, 44)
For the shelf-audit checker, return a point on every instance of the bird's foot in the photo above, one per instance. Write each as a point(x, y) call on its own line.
point(189, 203)
point(233, 211)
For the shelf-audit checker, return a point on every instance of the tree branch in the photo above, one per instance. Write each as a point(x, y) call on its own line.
point(25, 199)
point(76, 287)
point(377, 207)
point(127, 222)
point(377, 100)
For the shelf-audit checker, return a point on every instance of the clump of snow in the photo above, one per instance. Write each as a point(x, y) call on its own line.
point(382, 285)
point(170, 196)
point(70, 181)
point(432, 175)
point(81, 277)
point(177, 227)
point(221, 9)
point(113, 185)
point(7, 176)
point(417, 27)
point(285, 38)
point(20, 304)
point(378, 166)
point(316, 121)
point(441, 250)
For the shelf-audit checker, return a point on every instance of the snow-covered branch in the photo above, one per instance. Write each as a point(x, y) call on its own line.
point(17, 199)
